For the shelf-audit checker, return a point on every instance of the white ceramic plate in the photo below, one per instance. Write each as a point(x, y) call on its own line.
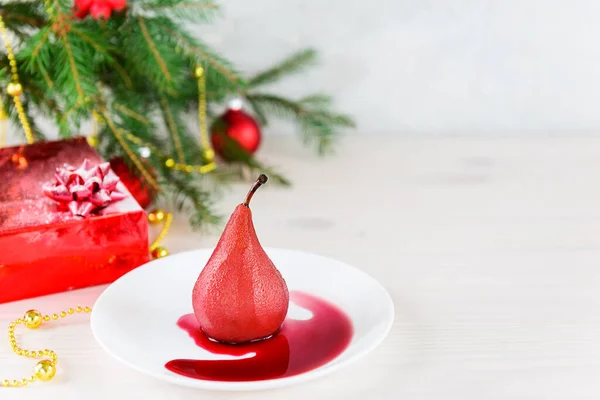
point(134, 319)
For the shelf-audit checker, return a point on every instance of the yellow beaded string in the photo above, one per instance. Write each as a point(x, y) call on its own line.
point(3, 118)
point(45, 369)
point(156, 217)
point(170, 163)
point(209, 153)
point(14, 88)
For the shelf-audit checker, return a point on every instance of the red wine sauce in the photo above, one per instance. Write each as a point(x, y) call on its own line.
point(300, 346)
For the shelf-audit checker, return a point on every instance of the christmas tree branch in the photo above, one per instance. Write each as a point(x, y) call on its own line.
point(152, 46)
point(258, 111)
point(184, 192)
point(21, 13)
point(47, 78)
point(131, 113)
point(150, 55)
point(317, 123)
point(136, 161)
point(293, 64)
point(172, 128)
point(196, 48)
point(39, 96)
point(124, 75)
point(45, 34)
point(73, 67)
point(34, 54)
point(176, 5)
point(102, 49)
point(13, 20)
point(191, 10)
point(59, 20)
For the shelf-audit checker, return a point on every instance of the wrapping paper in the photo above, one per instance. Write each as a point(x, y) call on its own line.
point(46, 248)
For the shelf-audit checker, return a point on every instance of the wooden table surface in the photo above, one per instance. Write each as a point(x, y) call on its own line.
point(490, 249)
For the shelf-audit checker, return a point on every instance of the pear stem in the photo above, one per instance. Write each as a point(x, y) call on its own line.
point(262, 179)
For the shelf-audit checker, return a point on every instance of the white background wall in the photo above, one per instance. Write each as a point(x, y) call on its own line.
point(432, 66)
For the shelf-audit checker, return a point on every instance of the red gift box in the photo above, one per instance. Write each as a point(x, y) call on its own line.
point(45, 248)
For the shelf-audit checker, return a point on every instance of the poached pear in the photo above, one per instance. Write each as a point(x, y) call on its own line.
point(240, 296)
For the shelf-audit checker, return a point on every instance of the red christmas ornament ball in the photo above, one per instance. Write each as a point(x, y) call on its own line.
point(98, 8)
point(237, 125)
point(143, 193)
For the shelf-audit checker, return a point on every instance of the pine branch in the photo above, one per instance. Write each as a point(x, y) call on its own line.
point(44, 33)
point(42, 100)
point(35, 53)
point(96, 40)
point(75, 80)
point(128, 112)
point(185, 144)
point(117, 133)
point(123, 74)
point(17, 15)
point(258, 111)
point(186, 195)
point(173, 129)
point(150, 53)
point(316, 100)
point(317, 124)
point(291, 65)
point(74, 75)
point(152, 47)
point(195, 10)
point(201, 54)
point(135, 116)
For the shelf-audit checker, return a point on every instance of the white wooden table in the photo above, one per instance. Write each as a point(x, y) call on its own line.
point(490, 249)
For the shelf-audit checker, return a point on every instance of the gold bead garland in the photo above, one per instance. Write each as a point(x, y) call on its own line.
point(169, 162)
point(14, 88)
point(159, 252)
point(45, 369)
point(3, 118)
point(155, 217)
point(209, 153)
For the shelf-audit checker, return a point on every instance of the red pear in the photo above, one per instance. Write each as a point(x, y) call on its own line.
point(240, 295)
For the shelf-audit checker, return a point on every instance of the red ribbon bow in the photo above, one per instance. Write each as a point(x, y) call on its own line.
point(85, 189)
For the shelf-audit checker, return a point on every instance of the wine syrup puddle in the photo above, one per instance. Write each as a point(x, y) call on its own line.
point(300, 346)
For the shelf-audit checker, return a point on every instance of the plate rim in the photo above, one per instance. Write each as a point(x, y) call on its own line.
point(226, 386)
